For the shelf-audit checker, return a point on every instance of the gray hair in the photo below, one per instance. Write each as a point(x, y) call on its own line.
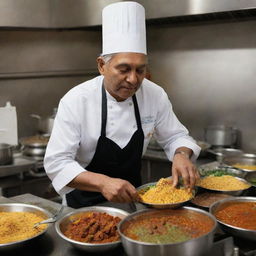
point(107, 57)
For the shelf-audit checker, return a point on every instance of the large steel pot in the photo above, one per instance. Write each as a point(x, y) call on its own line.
point(221, 135)
point(6, 154)
point(194, 247)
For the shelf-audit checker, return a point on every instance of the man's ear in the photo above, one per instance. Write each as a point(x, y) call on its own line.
point(101, 65)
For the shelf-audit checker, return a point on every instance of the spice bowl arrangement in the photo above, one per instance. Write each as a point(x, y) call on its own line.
point(236, 216)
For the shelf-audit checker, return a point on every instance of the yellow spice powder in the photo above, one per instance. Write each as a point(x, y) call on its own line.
point(164, 193)
point(16, 226)
point(222, 183)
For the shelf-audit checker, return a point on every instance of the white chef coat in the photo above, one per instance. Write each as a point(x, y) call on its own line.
point(77, 128)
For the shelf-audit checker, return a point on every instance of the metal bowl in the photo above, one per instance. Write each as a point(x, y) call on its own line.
point(62, 224)
point(18, 207)
point(192, 247)
point(250, 177)
point(236, 231)
point(244, 159)
point(162, 206)
point(229, 192)
point(229, 170)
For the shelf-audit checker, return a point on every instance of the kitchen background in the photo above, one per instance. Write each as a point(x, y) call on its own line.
point(207, 68)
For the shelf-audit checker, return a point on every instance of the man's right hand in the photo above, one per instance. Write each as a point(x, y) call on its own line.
point(118, 190)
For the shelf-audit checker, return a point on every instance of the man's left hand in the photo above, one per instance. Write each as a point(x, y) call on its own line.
point(182, 166)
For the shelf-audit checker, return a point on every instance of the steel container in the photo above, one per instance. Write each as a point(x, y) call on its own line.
point(19, 207)
point(235, 231)
point(6, 154)
point(61, 225)
point(193, 247)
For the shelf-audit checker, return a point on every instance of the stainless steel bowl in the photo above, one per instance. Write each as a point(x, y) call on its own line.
point(250, 177)
point(244, 159)
point(229, 170)
point(62, 224)
point(18, 207)
point(235, 231)
point(162, 206)
point(229, 192)
point(194, 247)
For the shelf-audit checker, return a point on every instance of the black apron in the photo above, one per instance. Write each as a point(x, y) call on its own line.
point(111, 160)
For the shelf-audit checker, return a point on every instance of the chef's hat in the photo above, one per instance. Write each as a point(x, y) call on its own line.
point(123, 28)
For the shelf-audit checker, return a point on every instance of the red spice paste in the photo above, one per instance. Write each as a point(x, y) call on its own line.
point(238, 214)
point(94, 227)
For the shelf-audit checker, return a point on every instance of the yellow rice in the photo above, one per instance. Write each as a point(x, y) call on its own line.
point(164, 193)
point(222, 183)
point(16, 226)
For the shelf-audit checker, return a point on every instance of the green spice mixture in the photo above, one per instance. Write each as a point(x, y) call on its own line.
point(172, 228)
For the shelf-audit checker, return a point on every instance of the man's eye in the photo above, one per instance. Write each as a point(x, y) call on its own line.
point(140, 71)
point(122, 71)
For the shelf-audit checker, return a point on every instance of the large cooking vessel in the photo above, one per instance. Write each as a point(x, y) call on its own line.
point(221, 135)
point(45, 124)
point(34, 146)
point(194, 247)
point(5, 154)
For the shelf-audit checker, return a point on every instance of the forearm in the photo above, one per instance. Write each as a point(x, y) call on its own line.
point(88, 181)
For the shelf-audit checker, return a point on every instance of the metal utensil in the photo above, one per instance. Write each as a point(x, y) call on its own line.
point(54, 218)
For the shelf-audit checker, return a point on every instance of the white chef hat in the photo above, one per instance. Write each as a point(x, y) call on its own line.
point(123, 28)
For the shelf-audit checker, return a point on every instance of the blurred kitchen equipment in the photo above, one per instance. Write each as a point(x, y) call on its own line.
point(221, 135)
point(45, 125)
point(6, 154)
point(204, 147)
point(8, 125)
point(153, 145)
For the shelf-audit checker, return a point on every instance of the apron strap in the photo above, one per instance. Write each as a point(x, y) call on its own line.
point(137, 112)
point(103, 112)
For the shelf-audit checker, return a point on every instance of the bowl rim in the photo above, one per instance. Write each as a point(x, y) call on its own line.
point(88, 209)
point(167, 206)
point(211, 216)
point(238, 178)
point(46, 212)
point(232, 199)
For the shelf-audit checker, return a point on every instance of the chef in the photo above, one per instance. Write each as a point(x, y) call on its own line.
point(103, 126)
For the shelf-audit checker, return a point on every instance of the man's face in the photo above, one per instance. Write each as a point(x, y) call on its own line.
point(123, 74)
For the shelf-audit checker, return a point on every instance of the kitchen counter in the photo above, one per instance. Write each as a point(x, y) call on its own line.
point(50, 244)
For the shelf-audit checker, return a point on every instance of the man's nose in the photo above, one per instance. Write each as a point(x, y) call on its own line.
point(132, 78)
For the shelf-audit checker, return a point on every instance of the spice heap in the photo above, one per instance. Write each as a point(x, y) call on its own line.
point(165, 193)
point(222, 183)
point(173, 227)
point(16, 226)
point(238, 214)
point(247, 167)
point(93, 227)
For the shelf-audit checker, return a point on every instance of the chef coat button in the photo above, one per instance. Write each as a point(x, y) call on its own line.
point(112, 123)
point(130, 103)
point(110, 107)
point(134, 126)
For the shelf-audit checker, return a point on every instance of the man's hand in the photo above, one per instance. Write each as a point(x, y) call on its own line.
point(118, 190)
point(182, 166)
